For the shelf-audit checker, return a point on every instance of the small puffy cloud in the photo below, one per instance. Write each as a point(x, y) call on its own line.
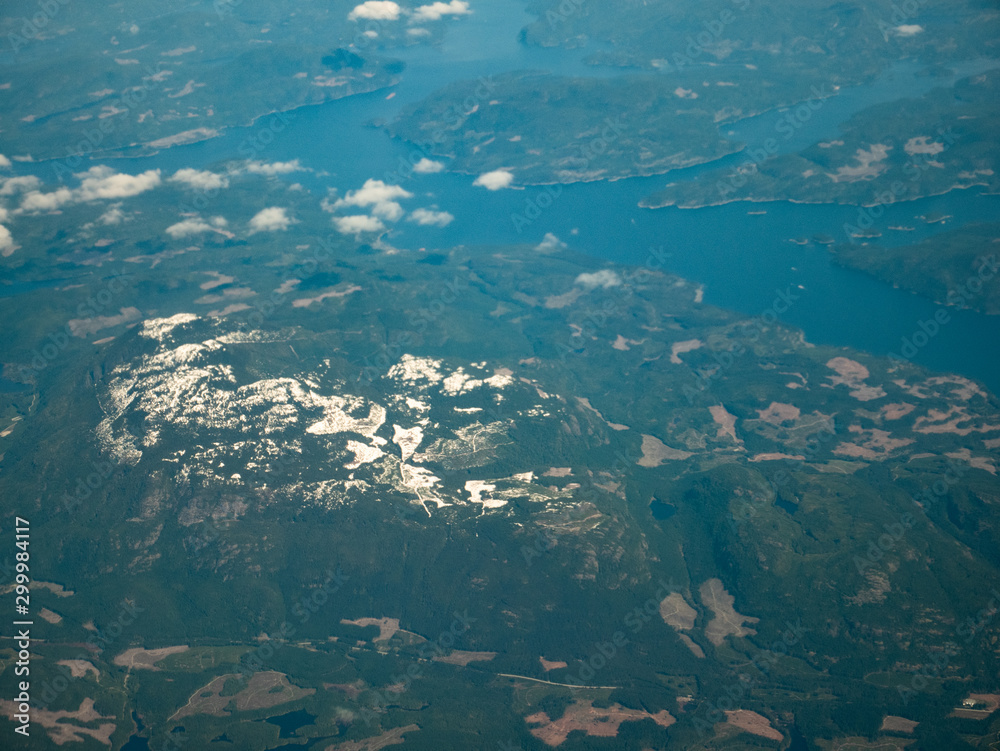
point(435, 11)
point(354, 225)
point(270, 219)
point(4, 161)
point(908, 30)
point(375, 10)
point(199, 179)
point(13, 185)
point(380, 196)
point(36, 201)
point(429, 218)
point(427, 166)
point(114, 215)
point(274, 168)
point(188, 227)
point(549, 243)
point(418, 32)
point(103, 183)
point(604, 278)
point(389, 210)
point(495, 180)
point(6, 242)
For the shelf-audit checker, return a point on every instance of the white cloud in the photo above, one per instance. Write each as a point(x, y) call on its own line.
point(376, 10)
point(97, 183)
point(274, 168)
point(114, 215)
point(35, 201)
point(429, 218)
point(269, 220)
point(188, 227)
point(12, 185)
point(6, 242)
point(427, 166)
point(380, 196)
point(908, 30)
point(604, 278)
point(4, 161)
point(353, 225)
point(434, 11)
point(495, 180)
point(103, 182)
point(199, 179)
point(549, 243)
point(418, 32)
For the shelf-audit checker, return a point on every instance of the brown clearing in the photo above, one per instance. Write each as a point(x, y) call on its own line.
point(258, 694)
point(655, 452)
point(676, 612)
point(777, 412)
point(727, 620)
point(593, 721)
point(146, 658)
point(65, 732)
point(387, 627)
point(751, 722)
point(896, 724)
point(463, 658)
point(79, 668)
point(388, 738)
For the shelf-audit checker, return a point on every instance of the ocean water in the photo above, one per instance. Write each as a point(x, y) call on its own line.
point(745, 261)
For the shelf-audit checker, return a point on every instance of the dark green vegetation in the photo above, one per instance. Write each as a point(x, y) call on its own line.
point(941, 267)
point(555, 136)
point(839, 43)
point(714, 64)
point(136, 77)
point(898, 151)
point(220, 509)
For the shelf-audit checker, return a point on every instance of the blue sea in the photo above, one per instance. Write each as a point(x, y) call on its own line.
point(744, 260)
